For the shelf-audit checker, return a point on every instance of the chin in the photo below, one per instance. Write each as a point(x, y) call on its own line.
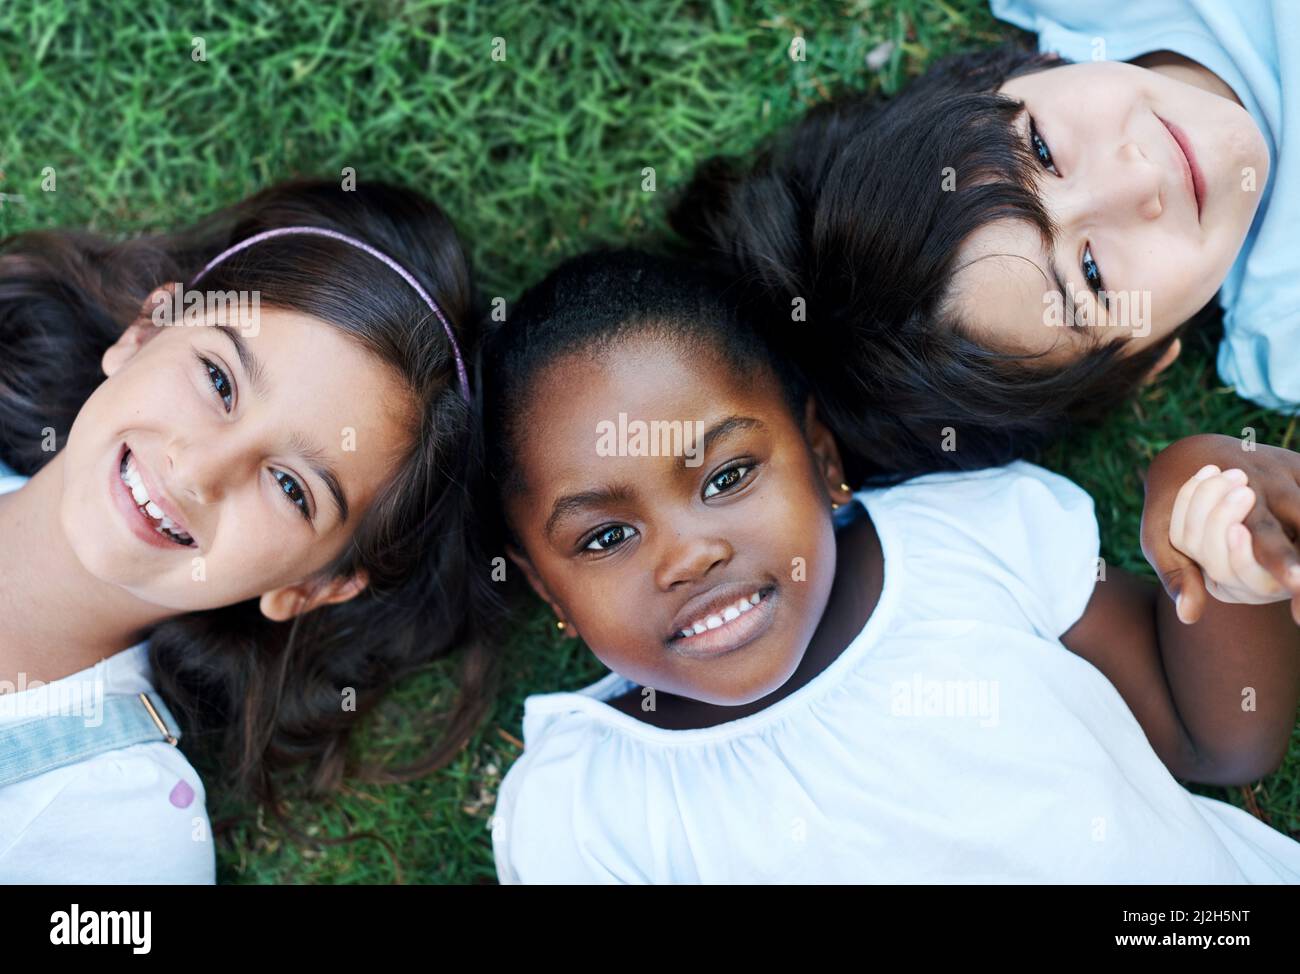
point(761, 685)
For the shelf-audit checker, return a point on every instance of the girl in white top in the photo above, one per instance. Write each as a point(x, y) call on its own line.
point(935, 690)
point(247, 497)
point(85, 821)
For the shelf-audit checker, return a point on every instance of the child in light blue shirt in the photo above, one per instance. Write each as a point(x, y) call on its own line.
point(1018, 239)
point(1242, 42)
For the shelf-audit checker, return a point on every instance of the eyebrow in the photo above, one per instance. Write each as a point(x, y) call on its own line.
point(571, 504)
point(319, 461)
point(298, 443)
point(1058, 281)
point(607, 496)
point(1074, 324)
point(248, 359)
point(726, 427)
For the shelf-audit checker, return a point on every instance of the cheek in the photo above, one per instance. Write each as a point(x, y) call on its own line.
point(603, 606)
point(820, 541)
point(255, 531)
point(157, 392)
point(798, 541)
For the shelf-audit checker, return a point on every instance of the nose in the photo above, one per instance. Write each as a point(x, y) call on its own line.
point(1123, 187)
point(689, 558)
point(202, 469)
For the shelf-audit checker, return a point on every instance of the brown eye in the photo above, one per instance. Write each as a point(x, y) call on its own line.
point(610, 537)
point(726, 479)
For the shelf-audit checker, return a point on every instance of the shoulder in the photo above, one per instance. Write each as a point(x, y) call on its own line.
point(971, 498)
point(1007, 543)
point(567, 810)
point(134, 815)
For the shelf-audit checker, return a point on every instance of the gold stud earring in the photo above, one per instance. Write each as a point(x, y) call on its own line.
point(845, 487)
point(560, 625)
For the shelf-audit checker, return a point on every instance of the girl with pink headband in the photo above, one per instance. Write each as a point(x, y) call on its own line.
point(237, 537)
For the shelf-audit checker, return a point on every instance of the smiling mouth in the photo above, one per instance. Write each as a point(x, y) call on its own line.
point(162, 524)
point(1195, 177)
point(727, 628)
point(729, 614)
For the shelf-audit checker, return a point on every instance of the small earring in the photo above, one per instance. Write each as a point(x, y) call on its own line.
point(844, 487)
point(560, 625)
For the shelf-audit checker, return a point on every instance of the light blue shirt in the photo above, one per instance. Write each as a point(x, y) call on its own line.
point(1240, 41)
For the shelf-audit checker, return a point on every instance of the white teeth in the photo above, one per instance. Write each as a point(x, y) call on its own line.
point(131, 477)
point(138, 492)
point(728, 614)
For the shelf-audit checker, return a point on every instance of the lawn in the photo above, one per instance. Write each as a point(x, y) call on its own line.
point(536, 157)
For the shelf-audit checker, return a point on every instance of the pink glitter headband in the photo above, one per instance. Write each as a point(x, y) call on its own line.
point(333, 234)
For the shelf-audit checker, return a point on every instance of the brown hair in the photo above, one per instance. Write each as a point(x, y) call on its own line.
point(263, 696)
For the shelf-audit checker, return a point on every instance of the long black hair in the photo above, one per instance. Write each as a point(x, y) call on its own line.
point(256, 695)
point(846, 211)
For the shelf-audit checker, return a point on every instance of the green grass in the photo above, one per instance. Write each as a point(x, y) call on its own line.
point(536, 158)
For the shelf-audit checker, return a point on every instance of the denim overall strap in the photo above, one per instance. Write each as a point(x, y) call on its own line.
point(32, 747)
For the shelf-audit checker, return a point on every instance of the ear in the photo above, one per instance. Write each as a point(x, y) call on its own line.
point(282, 604)
point(154, 311)
point(826, 453)
point(537, 585)
point(1171, 353)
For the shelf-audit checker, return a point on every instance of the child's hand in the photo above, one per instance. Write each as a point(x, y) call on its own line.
point(1271, 520)
point(1208, 526)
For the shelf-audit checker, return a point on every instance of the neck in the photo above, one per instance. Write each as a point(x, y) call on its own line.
point(1186, 70)
point(55, 617)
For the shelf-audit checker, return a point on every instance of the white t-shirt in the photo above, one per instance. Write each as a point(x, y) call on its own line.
point(955, 740)
point(133, 815)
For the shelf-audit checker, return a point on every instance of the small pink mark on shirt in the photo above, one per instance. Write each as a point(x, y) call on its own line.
point(182, 795)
